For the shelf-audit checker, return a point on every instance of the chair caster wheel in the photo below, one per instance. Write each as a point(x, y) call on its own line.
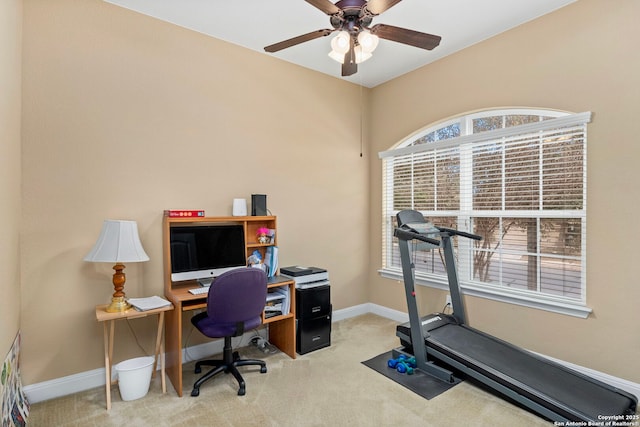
point(197, 370)
point(241, 391)
point(263, 370)
point(195, 392)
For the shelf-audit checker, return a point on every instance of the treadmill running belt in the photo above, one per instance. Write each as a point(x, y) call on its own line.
point(475, 349)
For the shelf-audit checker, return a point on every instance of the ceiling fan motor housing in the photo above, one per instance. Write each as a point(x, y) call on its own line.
point(353, 19)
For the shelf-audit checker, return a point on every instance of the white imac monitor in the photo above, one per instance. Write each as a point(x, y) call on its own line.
point(203, 252)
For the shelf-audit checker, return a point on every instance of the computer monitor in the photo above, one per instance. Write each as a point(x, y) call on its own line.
point(203, 252)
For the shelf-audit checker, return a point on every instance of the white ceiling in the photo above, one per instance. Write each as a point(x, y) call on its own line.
point(255, 24)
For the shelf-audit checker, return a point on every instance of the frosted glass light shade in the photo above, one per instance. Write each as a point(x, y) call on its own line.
point(341, 42)
point(368, 41)
point(361, 55)
point(338, 57)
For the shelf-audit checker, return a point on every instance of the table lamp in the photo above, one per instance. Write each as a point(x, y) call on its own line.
point(118, 243)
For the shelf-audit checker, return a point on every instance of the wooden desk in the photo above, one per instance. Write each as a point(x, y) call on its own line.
point(282, 329)
point(108, 327)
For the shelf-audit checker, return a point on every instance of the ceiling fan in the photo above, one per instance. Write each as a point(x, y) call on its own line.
point(356, 40)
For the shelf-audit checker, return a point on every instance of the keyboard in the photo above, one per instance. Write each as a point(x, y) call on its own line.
point(199, 291)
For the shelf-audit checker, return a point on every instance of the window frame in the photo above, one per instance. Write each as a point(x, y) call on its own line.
point(538, 300)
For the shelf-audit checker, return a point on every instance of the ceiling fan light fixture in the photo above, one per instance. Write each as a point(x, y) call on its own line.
point(355, 40)
point(341, 42)
point(368, 41)
point(361, 55)
point(338, 57)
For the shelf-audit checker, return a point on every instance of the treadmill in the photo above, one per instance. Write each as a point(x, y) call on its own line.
point(447, 345)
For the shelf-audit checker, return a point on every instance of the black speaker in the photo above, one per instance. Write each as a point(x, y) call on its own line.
point(259, 204)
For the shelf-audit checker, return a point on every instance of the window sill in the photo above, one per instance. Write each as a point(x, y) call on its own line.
point(537, 302)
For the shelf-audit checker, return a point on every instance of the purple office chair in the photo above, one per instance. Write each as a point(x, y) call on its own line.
point(235, 304)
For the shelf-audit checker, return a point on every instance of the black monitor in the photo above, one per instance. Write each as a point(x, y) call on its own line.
point(203, 252)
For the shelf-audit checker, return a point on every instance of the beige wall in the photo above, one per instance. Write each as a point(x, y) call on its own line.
point(125, 116)
point(10, 165)
point(580, 58)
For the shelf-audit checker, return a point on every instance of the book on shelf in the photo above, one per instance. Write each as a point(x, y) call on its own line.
point(148, 303)
point(271, 260)
point(182, 213)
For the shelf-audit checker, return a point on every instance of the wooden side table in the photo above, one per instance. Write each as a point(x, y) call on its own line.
point(108, 327)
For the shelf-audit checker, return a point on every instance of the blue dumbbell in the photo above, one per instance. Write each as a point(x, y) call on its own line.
point(404, 368)
point(392, 363)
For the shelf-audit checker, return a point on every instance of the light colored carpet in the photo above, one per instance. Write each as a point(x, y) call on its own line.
point(328, 387)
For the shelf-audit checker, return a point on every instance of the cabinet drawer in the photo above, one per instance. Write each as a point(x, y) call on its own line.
point(313, 302)
point(313, 334)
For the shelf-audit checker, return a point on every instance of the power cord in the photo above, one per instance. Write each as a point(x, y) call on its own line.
point(444, 309)
point(263, 345)
point(135, 336)
point(187, 356)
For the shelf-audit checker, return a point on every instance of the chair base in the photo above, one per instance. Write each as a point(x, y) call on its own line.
point(228, 364)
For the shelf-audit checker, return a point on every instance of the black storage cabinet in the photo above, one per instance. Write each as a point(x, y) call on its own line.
point(313, 318)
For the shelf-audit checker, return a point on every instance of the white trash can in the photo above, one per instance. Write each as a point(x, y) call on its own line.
point(134, 377)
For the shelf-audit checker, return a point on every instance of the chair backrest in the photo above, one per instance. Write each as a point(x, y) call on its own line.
point(238, 295)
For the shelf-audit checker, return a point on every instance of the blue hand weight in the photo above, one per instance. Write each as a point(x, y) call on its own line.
point(403, 364)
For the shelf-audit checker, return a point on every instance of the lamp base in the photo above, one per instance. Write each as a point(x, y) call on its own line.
point(118, 305)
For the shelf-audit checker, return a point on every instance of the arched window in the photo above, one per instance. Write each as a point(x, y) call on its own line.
point(517, 177)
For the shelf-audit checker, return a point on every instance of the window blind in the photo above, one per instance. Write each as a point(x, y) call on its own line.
point(523, 188)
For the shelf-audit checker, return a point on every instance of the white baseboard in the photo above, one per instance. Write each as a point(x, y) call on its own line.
point(379, 310)
point(82, 381)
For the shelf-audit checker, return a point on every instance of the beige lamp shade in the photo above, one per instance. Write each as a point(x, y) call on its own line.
point(118, 242)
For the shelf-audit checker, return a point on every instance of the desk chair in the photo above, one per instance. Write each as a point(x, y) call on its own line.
point(235, 303)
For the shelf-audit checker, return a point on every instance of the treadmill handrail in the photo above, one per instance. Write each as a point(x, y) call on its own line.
point(459, 233)
point(410, 234)
point(406, 232)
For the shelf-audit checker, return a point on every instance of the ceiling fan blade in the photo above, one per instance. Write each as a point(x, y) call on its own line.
point(326, 6)
point(297, 40)
point(405, 36)
point(349, 65)
point(349, 68)
point(376, 7)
